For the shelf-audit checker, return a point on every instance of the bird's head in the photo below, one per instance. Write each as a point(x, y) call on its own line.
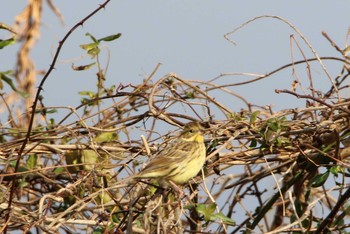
point(193, 131)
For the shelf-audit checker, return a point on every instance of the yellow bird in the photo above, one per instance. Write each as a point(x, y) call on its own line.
point(179, 161)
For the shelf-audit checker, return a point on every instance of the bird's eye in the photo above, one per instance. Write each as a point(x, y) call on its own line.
point(191, 131)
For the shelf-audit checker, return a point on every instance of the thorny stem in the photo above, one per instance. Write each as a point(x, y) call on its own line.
point(36, 99)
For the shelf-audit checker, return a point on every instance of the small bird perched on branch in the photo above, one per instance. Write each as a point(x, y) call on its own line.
point(181, 160)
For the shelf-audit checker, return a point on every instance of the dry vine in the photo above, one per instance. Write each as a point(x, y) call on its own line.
point(69, 176)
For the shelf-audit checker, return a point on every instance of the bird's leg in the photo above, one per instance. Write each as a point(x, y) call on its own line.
point(179, 191)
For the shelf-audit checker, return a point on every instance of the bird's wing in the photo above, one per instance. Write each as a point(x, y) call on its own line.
point(160, 164)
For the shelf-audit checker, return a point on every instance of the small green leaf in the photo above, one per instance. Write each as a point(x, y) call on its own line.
point(90, 94)
point(91, 36)
point(32, 161)
point(89, 158)
point(206, 210)
point(105, 137)
point(73, 158)
point(7, 42)
point(51, 111)
point(254, 116)
point(98, 230)
point(201, 208)
point(214, 143)
point(190, 94)
point(253, 144)
point(103, 198)
point(335, 170)
point(189, 207)
point(46, 111)
point(89, 46)
point(111, 37)
point(59, 170)
point(271, 136)
point(320, 179)
point(13, 163)
point(211, 208)
point(23, 184)
point(224, 218)
point(93, 52)
point(8, 80)
point(274, 125)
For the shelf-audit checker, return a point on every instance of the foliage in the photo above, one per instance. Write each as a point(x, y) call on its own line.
point(69, 175)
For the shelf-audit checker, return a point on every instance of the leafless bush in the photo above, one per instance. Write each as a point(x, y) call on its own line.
point(266, 171)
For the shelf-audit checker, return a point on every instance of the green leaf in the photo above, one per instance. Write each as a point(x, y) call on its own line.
point(211, 208)
point(271, 136)
point(206, 210)
point(254, 116)
point(274, 125)
point(46, 111)
point(92, 48)
point(92, 37)
point(13, 163)
point(105, 137)
point(224, 218)
point(111, 37)
point(98, 230)
point(59, 170)
point(335, 170)
point(90, 94)
point(8, 80)
point(32, 161)
point(253, 144)
point(214, 143)
point(23, 184)
point(319, 180)
point(190, 94)
point(7, 42)
point(89, 46)
point(73, 158)
point(93, 52)
point(89, 158)
point(51, 111)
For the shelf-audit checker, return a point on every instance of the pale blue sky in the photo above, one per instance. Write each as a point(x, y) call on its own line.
point(187, 38)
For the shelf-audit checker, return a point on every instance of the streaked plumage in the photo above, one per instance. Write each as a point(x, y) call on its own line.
point(181, 160)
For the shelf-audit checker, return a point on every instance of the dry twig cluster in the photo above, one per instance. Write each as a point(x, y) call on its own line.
point(68, 176)
point(266, 171)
